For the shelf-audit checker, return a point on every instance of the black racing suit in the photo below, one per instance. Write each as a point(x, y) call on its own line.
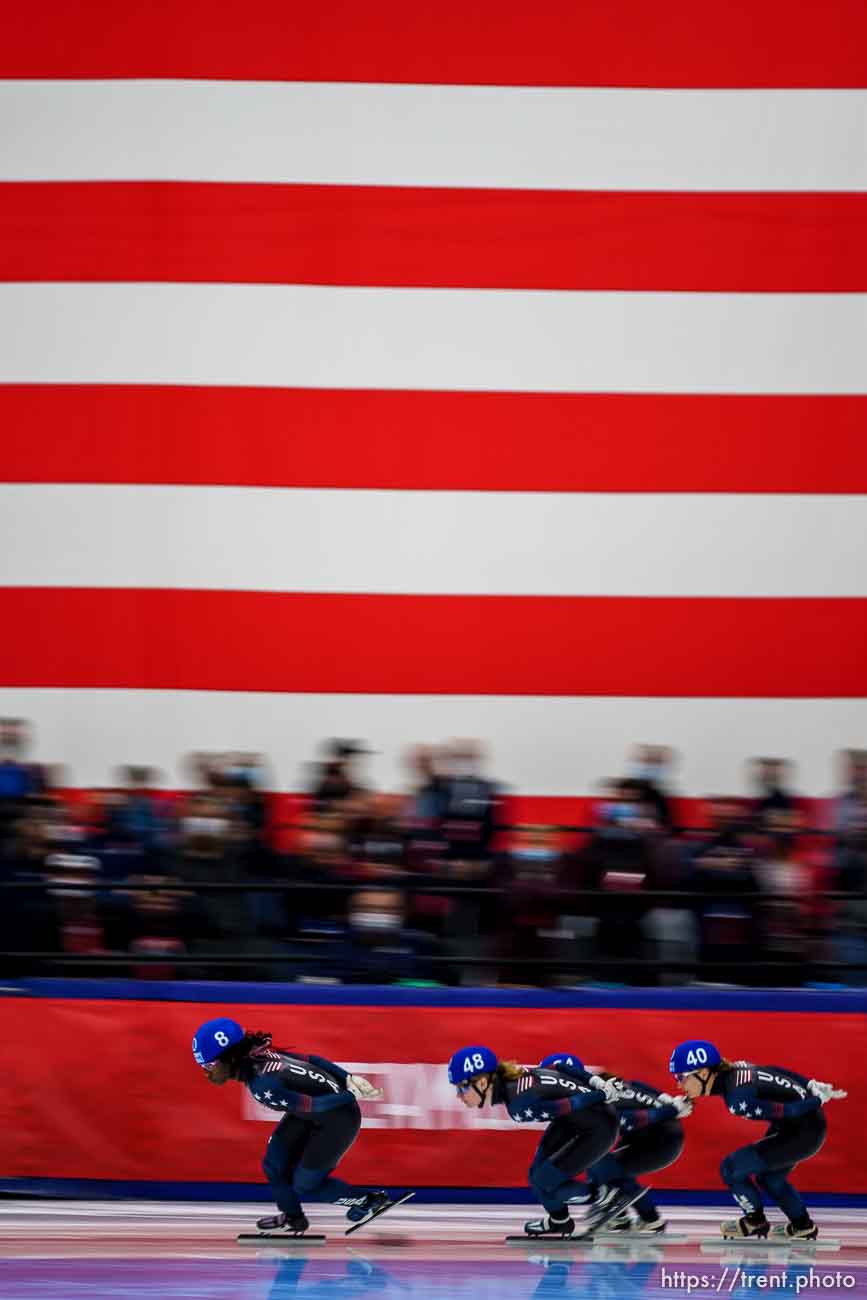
point(769, 1093)
point(321, 1119)
point(651, 1138)
point(581, 1127)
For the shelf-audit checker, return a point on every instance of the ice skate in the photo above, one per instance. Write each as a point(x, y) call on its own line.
point(788, 1232)
point(282, 1227)
point(610, 1204)
point(550, 1227)
point(751, 1225)
point(371, 1205)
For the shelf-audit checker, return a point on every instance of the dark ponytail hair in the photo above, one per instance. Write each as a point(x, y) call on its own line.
point(252, 1041)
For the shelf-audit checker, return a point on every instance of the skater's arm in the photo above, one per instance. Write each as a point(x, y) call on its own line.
point(642, 1116)
point(747, 1103)
point(527, 1110)
point(301, 1103)
point(322, 1063)
point(282, 1093)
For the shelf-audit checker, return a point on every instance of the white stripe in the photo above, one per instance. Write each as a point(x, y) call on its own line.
point(433, 338)
point(538, 745)
point(511, 543)
point(434, 135)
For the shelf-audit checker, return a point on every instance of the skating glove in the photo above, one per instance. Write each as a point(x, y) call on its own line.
point(611, 1087)
point(825, 1091)
point(682, 1105)
point(363, 1089)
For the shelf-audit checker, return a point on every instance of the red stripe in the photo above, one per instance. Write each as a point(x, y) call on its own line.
point(456, 441)
point(492, 42)
point(495, 645)
point(353, 235)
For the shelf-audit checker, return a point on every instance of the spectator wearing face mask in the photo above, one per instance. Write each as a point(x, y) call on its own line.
point(208, 850)
point(377, 945)
point(648, 770)
point(531, 874)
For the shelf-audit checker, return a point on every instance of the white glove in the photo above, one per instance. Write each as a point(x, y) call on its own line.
point(611, 1087)
point(682, 1105)
point(363, 1089)
point(825, 1091)
point(666, 1099)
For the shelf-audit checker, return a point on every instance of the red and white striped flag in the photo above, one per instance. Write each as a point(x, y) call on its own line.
point(404, 371)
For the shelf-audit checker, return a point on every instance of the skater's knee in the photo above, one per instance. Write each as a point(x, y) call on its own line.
point(739, 1165)
point(305, 1181)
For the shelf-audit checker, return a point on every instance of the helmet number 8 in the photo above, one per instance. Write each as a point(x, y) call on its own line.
point(222, 1038)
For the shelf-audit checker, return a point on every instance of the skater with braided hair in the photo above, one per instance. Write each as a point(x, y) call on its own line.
point(318, 1103)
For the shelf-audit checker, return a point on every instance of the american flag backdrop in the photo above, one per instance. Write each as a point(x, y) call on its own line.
point(415, 370)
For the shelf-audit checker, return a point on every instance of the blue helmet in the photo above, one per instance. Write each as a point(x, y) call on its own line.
point(213, 1037)
point(568, 1059)
point(694, 1054)
point(468, 1062)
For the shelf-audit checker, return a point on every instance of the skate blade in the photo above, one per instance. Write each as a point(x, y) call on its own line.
point(645, 1238)
point(524, 1239)
point(407, 1196)
point(710, 1245)
point(599, 1230)
point(283, 1238)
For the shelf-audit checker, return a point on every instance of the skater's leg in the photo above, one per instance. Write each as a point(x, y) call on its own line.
point(737, 1172)
point(327, 1145)
point(645, 1152)
point(284, 1148)
point(780, 1151)
point(779, 1189)
point(646, 1208)
point(566, 1151)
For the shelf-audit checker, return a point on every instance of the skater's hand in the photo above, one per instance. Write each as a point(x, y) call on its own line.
point(609, 1086)
point(825, 1091)
point(682, 1105)
point(363, 1089)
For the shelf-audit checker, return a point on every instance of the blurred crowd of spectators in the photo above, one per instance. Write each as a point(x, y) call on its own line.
point(349, 884)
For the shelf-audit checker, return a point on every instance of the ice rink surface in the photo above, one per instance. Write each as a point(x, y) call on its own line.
point(124, 1250)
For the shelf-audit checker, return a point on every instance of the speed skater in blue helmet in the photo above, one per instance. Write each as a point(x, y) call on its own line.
point(471, 1072)
point(790, 1103)
point(581, 1126)
point(214, 1038)
point(315, 1101)
point(650, 1139)
point(694, 1064)
point(571, 1060)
